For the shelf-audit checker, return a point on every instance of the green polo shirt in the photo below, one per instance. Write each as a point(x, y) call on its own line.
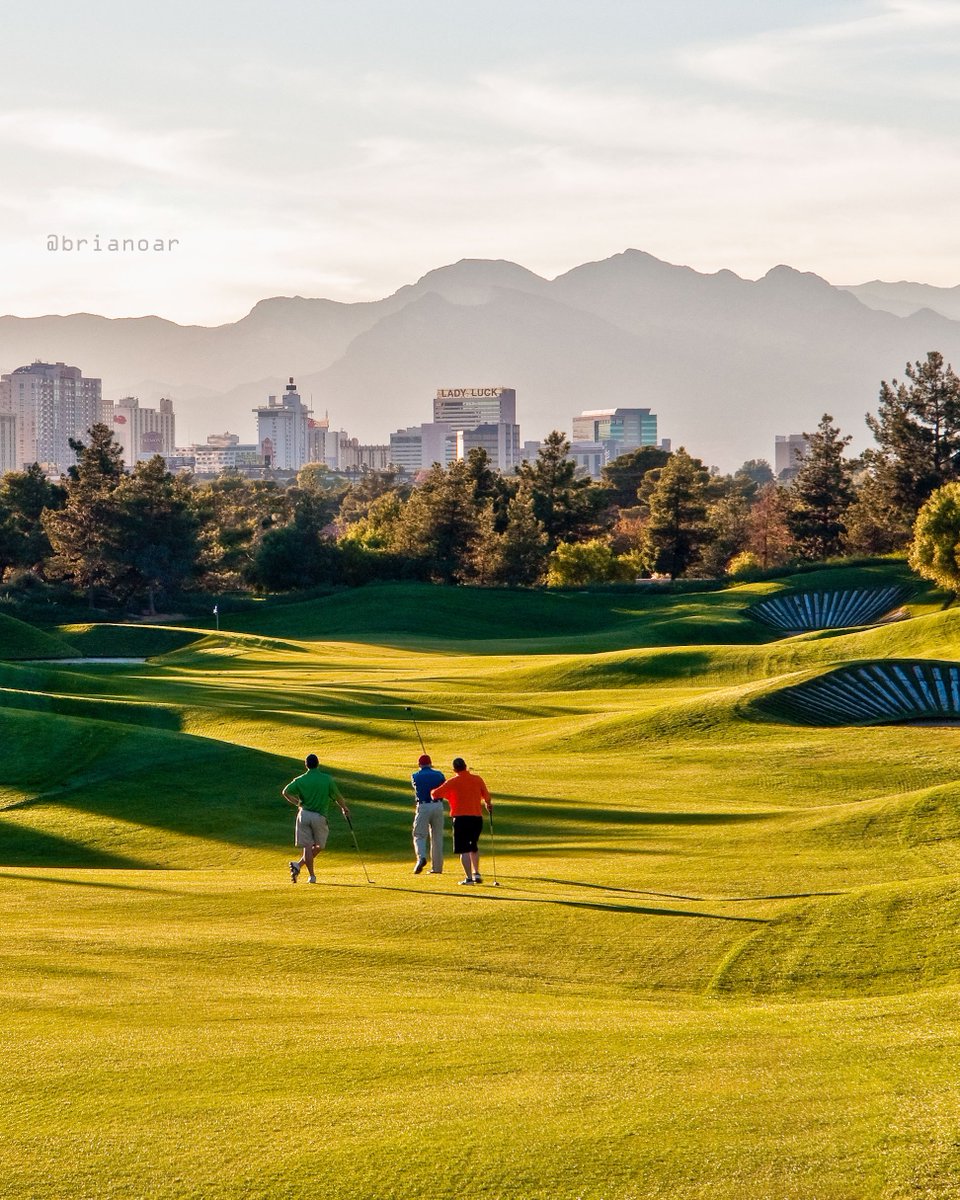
point(314, 790)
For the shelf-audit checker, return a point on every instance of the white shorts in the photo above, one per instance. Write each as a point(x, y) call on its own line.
point(312, 829)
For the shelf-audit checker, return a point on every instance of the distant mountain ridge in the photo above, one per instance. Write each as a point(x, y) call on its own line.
point(725, 362)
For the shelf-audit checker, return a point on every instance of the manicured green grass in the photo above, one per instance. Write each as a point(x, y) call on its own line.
point(20, 640)
point(722, 962)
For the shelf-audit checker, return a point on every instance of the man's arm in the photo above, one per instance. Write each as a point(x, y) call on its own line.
point(288, 797)
point(341, 803)
point(485, 797)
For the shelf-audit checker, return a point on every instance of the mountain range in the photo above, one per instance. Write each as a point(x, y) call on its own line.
point(725, 362)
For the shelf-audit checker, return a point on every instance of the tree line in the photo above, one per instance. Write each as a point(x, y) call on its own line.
point(144, 537)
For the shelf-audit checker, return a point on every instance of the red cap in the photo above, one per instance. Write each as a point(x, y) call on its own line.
point(424, 761)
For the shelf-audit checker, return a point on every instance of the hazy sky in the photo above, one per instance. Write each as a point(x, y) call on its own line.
point(342, 149)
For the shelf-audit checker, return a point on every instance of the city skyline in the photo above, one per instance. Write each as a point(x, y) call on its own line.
point(336, 151)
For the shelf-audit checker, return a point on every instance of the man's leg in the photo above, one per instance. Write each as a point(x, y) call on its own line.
point(308, 853)
point(467, 859)
point(474, 857)
point(421, 823)
point(436, 838)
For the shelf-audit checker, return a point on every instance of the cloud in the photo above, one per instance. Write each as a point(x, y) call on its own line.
point(181, 153)
point(375, 179)
point(877, 47)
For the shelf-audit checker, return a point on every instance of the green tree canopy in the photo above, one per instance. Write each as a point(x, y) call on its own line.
point(676, 528)
point(441, 522)
point(155, 542)
point(23, 497)
point(579, 564)
point(83, 534)
point(623, 475)
point(935, 550)
point(917, 428)
point(821, 493)
point(566, 506)
point(517, 556)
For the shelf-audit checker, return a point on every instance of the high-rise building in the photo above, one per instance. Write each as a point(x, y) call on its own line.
point(466, 408)
point(787, 450)
point(52, 403)
point(481, 416)
point(143, 432)
point(619, 429)
point(406, 449)
point(8, 442)
point(212, 458)
point(590, 457)
point(355, 457)
point(282, 430)
point(501, 442)
point(323, 443)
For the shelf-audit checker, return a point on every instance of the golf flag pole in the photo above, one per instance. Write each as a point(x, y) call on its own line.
point(216, 613)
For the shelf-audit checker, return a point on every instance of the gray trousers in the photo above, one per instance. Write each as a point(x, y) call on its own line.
point(428, 822)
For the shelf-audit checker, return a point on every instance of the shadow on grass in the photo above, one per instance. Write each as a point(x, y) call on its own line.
point(605, 887)
point(639, 910)
point(88, 883)
point(20, 847)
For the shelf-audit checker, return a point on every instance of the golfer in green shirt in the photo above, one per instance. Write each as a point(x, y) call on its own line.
point(311, 793)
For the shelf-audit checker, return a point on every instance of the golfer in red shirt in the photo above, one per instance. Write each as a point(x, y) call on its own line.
point(465, 793)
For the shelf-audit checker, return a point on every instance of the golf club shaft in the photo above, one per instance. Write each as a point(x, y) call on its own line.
point(423, 748)
point(356, 844)
point(493, 854)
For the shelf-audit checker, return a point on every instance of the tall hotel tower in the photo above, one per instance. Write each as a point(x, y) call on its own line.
point(52, 404)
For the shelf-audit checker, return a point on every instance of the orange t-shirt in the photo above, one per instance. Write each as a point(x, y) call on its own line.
point(464, 791)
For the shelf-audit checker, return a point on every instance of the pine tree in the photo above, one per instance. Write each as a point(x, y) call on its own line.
point(917, 428)
point(821, 494)
point(516, 557)
point(84, 533)
point(768, 534)
point(677, 524)
point(624, 474)
point(441, 522)
point(156, 547)
point(23, 497)
point(566, 505)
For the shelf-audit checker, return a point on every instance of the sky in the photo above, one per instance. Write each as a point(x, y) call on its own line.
point(344, 149)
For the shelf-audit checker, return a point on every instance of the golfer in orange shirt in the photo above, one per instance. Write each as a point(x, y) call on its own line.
point(465, 793)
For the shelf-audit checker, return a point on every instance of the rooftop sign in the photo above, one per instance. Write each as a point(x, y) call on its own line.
point(469, 393)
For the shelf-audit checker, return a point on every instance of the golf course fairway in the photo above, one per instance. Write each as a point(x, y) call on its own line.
point(722, 962)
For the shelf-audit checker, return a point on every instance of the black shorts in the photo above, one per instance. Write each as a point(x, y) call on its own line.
point(466, 834)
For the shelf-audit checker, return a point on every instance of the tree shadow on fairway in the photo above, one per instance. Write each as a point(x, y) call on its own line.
point(60, 881)
point(531, 820)
point(639, 910)
point(25, 847)
point(138, 780)
point(607, 887)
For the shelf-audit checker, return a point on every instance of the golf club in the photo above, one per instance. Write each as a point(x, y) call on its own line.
point(407, 708)
point(357, 847)
point(493, 856)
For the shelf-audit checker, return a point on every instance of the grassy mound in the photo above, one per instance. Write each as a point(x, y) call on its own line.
point(103, 791)
point(418, 614)
point(126, 641)
point(19, 640)
point(895, 938)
